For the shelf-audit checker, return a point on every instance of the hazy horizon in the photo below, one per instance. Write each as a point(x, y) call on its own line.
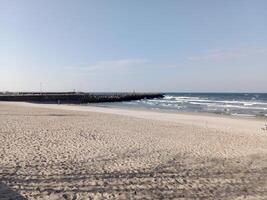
point(122, 46)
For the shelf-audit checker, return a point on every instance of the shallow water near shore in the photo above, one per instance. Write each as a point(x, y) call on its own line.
point(236, 104)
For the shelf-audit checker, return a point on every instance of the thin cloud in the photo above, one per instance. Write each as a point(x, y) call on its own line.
point(218, 56)
point(222, 55)
point(116, 64)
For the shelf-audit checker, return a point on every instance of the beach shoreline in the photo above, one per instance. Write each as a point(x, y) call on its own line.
point(64, 151)
point(246, 124)
point(170, 111)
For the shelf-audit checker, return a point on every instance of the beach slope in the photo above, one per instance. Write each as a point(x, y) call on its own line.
point(78, 152)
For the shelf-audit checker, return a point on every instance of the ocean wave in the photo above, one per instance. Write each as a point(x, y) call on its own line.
point(130, 102)
point(229, 104)
point(180, 97)
point(188, 102)
point(243, 115)
point(197, 99)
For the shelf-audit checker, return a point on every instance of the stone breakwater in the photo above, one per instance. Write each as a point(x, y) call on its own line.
point(76, 98)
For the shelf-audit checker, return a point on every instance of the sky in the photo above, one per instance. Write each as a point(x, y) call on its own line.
point(126, 45)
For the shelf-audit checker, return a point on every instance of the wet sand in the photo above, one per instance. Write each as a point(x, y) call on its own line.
point(76, 152)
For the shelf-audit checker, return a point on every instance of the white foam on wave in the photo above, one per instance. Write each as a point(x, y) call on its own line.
point(199, 103)
point(227, 106)
point(167, 105)
point(206, 103)
point(195, 100)
point(180, 97)
point(151, 103)
point(245, 103)
point(130, 102)
point(250, 108)
point(168, 97)
point(243, 115)
point(159, 101)
point(231, 106)
point(244, 107)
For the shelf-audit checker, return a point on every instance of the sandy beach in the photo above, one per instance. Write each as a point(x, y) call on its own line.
point(82, 152)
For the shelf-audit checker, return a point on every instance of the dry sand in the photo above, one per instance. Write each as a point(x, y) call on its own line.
point(75, 152)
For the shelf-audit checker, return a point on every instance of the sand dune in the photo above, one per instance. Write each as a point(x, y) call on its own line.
point(75, 152)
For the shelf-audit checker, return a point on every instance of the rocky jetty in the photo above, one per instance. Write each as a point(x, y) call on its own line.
point(76, 97)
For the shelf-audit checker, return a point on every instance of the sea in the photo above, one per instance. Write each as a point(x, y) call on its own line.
point(236, 104)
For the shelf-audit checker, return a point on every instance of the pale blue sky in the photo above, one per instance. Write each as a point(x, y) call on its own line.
point(123, 45)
